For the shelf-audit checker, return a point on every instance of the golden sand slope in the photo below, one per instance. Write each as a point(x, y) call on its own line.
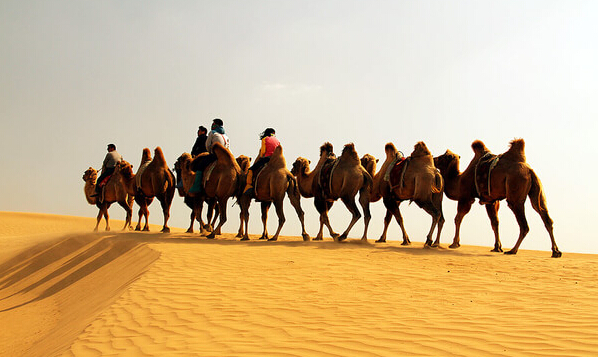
point(290, 298)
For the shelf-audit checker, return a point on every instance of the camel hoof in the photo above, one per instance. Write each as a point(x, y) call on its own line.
point(454, 245)
point(95, 229)
point(306, 237)
point(137, 229)
point(335, 235)
point(211, 236)
point(497, 250)
point(556, 254)
point(245, 238)
point(318, 238)
point(262, 238)
point(406, 242)
point(511, 252)
point(165, 230)
point(381, 240)
point(272, 239)
point(239, 235)
point(341, 237)
point(189, 231)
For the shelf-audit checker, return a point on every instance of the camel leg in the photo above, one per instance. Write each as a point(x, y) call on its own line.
point(211, 218)
point(392, 206)
point(265, 207)
point(166, 202)
point(107, 218)
point(519, 211)
point(278, 204)
point(244, 216)
point(556, 253)
point(352, 207)
point(296, 203)
point(463, 208)
point(222, 212)
point(99, 218)
point(322, 206)
point(387, 219)
point(436, 215)
point(125, 205)
point(492, 210)
point(364, 201)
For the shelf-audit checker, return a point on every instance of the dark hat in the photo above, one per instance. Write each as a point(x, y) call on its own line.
point(112, 146)
point(202, 128)
point(218, 122)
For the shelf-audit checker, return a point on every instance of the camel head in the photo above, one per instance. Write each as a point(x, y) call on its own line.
point(300, 166)
point(449, 161)
point(181, 162)
point(369, 163)
point(420, 149)
point(244, 163)
point(326, 149)
point(90, 175)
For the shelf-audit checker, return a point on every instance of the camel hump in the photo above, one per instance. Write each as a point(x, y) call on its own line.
point(516, 150)
point(159, 157)
point(326, 148)
point(420, 149)
point(349, 152)
point(277, 159)
point(390, 148)
point(479, 148)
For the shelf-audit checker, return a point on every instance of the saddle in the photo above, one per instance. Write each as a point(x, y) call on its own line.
point(208, 172)
point(396, 172)
point(483, 170)
point(105, 181)
point(325, 179)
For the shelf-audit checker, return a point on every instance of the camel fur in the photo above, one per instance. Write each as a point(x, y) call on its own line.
point(155, 181)
point(271, 185)
point(511, 179)
point(119, 188)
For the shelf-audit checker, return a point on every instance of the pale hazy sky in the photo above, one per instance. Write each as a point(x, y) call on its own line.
point(77, 75)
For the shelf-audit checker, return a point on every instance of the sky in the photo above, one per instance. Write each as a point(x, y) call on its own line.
point(77, 75)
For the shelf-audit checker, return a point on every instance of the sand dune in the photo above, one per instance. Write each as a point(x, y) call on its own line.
point(75, 293)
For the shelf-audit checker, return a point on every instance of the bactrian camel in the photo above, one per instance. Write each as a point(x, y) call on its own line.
point(271, 185)
point(492, 178)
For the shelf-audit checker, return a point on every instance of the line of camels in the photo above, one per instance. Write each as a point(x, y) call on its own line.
point(419, 178)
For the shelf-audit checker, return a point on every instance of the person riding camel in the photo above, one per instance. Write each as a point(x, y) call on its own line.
point(217, 134)
point(108, 166)
point(269, 143)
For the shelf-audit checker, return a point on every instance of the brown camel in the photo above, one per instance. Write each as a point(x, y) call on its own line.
point(222, 180)
point(491, 178)
point(119, 188)
point(333, 179)
point(416, 179)
point(156, 180)
point(271, 185)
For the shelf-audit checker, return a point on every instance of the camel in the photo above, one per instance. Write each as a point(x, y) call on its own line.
point(120, 188)
point(222, 180)
point(187, 176)
point(156, 180)
point(416, 179)
point(271, 185)
point(345, 178)
point(492, 178)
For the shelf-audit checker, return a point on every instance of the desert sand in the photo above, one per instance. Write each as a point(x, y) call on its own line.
point(65, 291)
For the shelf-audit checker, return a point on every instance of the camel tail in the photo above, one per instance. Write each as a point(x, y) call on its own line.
point(438, 183)
point(368, 181)
point(536, 193)
point(293, 189)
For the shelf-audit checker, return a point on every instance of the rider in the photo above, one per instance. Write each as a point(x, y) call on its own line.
point(217, 134)
point(269, 143)
point(108, 166)
point(200, 142)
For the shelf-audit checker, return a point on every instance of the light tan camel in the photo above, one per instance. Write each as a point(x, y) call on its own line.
point(119, 188)
point(416, 179)
point(271, 185)
point(155, 181)
point(343, 178)
point(222, 180)
point(492, 178)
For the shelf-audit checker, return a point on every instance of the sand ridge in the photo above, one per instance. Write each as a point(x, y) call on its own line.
point(152, 294)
